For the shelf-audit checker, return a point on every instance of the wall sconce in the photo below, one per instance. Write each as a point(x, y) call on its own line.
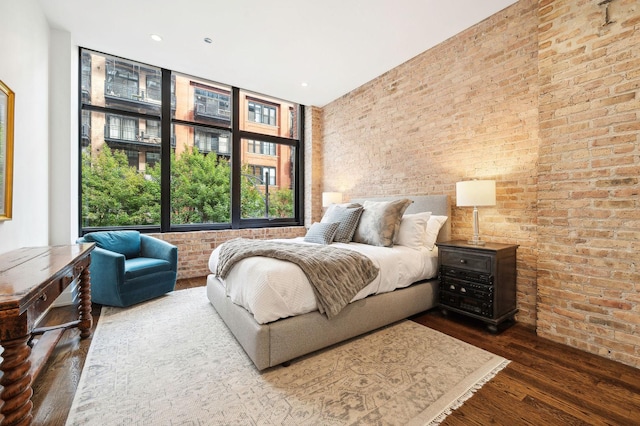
point(474, 193)
point(329, 198)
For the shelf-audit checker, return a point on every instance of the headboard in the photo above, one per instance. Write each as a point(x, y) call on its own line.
point(436, 204)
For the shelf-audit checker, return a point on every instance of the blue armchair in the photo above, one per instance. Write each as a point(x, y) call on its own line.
point(128, 267)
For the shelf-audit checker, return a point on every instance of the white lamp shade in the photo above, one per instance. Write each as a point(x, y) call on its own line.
point(329, 198)
point(473, 193)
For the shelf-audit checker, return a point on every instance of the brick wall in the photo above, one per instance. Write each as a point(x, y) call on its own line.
point(194, 248)
point(543, 97)
point(313, 166)
point(588, 209)
point(462, 110)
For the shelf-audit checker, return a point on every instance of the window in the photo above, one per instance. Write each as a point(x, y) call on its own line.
point(152, 158)
point(212, 104)
point(159, 152)
point(262, 175)
point(269, 175)
point(264, 148)
point(133, 157)
point(272, 175)
point(122, 128)
point(262, 113)
point(153, 87)
point(122, 79)
point(208, 140)
point(151, 131)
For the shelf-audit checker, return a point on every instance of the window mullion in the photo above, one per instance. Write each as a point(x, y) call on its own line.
point(165, 153)
point(236, 160)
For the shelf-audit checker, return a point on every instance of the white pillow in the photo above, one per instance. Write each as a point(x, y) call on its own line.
point(413, 230)
point(433, 228)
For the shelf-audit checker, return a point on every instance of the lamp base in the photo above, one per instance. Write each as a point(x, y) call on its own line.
point(477, 242)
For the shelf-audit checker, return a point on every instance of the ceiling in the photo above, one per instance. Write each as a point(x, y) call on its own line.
point(270, 47)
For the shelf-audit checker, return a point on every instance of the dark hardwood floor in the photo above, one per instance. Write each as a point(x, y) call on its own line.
point(545, 384)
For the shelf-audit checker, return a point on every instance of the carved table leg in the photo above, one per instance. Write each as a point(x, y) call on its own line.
point(84, 307)
point(16, 381)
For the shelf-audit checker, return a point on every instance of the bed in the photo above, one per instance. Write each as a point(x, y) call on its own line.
point(273, 341)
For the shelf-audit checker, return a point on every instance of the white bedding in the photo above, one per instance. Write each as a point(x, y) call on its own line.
point(272, 289)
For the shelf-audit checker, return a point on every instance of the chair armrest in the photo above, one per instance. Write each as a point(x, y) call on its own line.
point(159, 249)
point(108, 264)
point(107, 276)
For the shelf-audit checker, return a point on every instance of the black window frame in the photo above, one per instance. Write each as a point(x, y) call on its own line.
point(167, 122)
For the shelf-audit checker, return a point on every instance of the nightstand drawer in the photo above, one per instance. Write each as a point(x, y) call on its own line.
point(460, 259)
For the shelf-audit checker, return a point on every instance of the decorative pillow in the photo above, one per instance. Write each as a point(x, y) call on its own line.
point(413, 230)
point(433, 228)
point(347, 218)
point(321, 233)
point(380, 221)
point(123, 242)
point(329, 212)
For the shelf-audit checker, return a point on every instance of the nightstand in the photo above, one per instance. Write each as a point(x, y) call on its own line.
point(478, 281)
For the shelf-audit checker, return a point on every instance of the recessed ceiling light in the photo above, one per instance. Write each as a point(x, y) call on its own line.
point(304, 84)
point(156, 37)
point(208, 40)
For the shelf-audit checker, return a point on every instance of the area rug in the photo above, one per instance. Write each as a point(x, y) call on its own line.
point(172, 361)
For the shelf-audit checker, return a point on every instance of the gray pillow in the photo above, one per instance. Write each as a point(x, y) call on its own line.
point(321, 233)
point(329, 212)
point(347, 218)
point(380, 221)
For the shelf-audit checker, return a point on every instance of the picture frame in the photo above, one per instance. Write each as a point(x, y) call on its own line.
point(7, 109)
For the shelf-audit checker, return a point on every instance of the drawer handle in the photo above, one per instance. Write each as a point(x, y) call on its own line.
point(463, 261)
point(43, 297)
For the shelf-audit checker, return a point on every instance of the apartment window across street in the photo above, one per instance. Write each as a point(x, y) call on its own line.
point(265, 148)
point(262, 113)
point(263, 175)
point(208, 140)
point(122, 80)
point(160, 151)
point(212, 104)
point(122, 128)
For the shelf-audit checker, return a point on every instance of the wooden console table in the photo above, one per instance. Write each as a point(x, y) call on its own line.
point(30, 280)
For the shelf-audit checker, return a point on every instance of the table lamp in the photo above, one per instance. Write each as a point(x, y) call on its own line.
point(329, 198)
point(474, 193)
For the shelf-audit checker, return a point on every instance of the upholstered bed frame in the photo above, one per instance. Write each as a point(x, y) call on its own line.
point(280, 341)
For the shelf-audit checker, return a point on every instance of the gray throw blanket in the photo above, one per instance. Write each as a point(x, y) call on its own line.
point(336, 274)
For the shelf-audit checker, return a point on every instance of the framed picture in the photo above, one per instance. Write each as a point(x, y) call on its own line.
point(7, 105)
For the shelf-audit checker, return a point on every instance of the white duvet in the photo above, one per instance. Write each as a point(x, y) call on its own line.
point(272, 289)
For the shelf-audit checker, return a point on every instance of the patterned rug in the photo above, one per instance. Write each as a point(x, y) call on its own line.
point(172, 361)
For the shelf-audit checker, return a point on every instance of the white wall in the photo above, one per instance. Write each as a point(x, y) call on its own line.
point(24, 67)
point(63, 133)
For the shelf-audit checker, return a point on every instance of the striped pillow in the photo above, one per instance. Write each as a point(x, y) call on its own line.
point(321, 233)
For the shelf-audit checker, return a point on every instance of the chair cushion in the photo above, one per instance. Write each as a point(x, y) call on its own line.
point(139, 266)
point(123, 242)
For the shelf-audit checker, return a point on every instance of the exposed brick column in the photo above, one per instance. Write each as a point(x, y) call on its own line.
point(588, 209)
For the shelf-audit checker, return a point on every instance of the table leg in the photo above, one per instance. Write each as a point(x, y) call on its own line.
point(84, 307)
point(16, 381)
